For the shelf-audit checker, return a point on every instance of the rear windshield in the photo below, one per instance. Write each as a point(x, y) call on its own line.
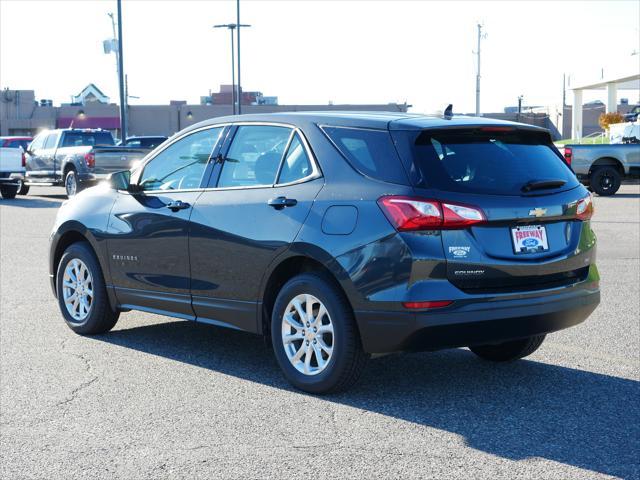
point(481, 160)
point(369, 151)
point(82, 139)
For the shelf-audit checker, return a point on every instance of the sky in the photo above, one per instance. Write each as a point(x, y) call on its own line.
point(315, 52)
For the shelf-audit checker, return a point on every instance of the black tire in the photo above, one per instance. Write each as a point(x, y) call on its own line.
point(509, 351)
point(347, 359)
point(605, 180)
point(22, 188)
point(72, 185)
point(9, 191)
point(101, 318)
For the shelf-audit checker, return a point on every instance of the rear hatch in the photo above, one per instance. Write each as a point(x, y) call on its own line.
point(530, 231)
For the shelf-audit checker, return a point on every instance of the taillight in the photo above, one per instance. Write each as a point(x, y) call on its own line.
point(410, 214)
point(568, 155)
point(24, 159)
point(584, 208)
point(90, 160)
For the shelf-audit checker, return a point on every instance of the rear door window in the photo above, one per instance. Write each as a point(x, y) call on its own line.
point(254, 156)
point(370, 152)
point(481, 160)
point(296, 164)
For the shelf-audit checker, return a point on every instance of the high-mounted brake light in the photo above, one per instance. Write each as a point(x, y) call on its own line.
point(584, 208)
point(422, 305)
point(568, 155)
point(497, 129)
point(410, 214)
point(90, 160)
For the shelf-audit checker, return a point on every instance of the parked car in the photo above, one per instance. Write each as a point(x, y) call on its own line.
point(147, 142)
point(19, 143)
point(76, 158)
point(15, 142)
point(603, 167)
point(632, 115)
point(338, 235)
point(11, 170)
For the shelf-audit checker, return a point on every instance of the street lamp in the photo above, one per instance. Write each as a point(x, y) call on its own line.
point(231, 27)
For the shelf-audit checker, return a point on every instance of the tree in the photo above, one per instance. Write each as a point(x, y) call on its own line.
point(610, 118)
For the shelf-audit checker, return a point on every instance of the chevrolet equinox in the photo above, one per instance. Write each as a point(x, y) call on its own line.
point(338, 235)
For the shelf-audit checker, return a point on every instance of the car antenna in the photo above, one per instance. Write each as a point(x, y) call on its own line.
point(448, 112)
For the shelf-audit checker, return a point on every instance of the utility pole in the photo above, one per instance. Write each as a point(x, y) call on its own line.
point(519, 106)
point(123, 102)
point(480, 37)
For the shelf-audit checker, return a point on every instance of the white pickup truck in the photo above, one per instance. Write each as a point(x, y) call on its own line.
point(11, 171)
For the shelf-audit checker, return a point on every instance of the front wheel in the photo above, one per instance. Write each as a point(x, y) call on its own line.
point(82, 295)
point(22, 188)
point(314, 335)
point(508, 351)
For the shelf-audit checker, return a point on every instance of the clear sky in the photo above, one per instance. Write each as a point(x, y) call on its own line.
point(320, 51)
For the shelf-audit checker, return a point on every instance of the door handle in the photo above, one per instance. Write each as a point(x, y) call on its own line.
point(280, 202)
point(177, 205)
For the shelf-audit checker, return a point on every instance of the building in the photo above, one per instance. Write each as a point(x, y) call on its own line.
point(21, 114)
point(226, 94)
point(89, 94)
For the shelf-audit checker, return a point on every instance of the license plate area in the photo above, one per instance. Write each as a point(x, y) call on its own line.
point(529, 239)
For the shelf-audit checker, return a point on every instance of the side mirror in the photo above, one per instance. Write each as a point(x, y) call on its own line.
point(120, 180)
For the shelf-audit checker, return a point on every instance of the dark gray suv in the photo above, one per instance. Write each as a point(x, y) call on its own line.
point(338, 235)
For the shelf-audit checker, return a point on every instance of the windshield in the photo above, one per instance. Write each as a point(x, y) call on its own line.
point(482, 160)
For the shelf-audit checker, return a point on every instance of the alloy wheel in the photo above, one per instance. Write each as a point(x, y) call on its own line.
point(77, 289)
point(307, 334)
point(71, 184)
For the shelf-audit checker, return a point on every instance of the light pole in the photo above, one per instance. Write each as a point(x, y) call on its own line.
point(239, 87)
point(123, 107)
point(232, 27)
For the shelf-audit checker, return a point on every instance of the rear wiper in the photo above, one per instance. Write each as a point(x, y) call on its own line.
point(542, 184)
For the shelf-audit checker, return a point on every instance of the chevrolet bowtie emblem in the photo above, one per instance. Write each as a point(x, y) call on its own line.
point(538, 212)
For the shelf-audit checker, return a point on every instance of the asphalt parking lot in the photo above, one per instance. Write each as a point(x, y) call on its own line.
point(162, 398)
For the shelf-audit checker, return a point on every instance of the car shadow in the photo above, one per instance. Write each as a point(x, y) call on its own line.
point(625, 195)
point(34, 201)
point(518, 410)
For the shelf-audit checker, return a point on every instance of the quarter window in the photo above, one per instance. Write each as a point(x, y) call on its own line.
point(182, 164)
point(254, 156)
point(296, 163)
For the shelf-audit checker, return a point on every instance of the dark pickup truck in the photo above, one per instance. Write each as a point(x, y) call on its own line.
point(76, 158)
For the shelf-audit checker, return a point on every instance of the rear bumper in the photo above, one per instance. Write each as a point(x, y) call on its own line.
point(465, 323)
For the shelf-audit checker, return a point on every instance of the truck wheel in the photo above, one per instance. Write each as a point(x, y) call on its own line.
point(71, 184)
point(81, 291)
point(508, 351)
point(8, 191)
point(315, 338)
point(605, 180)
point(22, 188)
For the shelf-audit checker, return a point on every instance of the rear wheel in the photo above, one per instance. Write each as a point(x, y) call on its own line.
point(605, 180)
point(508, 351)
point(314, 335)
point(82, 295)
point(9, 191)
